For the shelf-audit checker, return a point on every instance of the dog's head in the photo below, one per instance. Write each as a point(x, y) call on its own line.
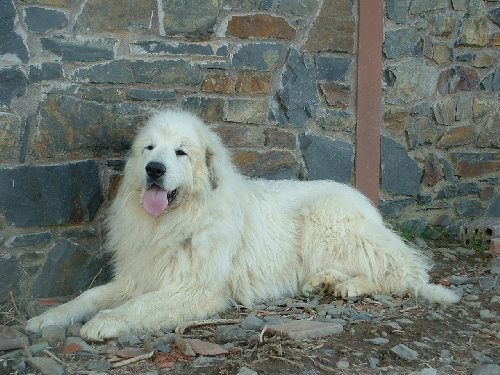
point(172, 161)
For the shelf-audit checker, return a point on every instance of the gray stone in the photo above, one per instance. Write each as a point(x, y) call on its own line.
point(481, 357)
point(397, 10)
point(209, 109)
point(461, 188)
point(47, 366)
point(11, 42)
point(494, 207)
point(492, 81)
point(53, 333)
point(402, 43)
point(28, 239)
point(27, 193)
point(405, 352)
point(258, 56)
point(489, 369)
point(246, 371)
point(252, 322)
point(297, 102)
point(117, 71)
point(469, 207)
point(143, 94)
point(422, 131)
point(495, 15)
point(394, 208)
point(488, 282)
point(193, 19)
point(418, 225)
point(77, 48)
point(326, 158)
point(10, 275)
point(410, 81)
point(45, 71)
point(377, 340)
point(459, 4)
point(14, 83)
point(332, 69)
point(448, 170)
point(225, 334)
point(169, 48)
point(400, 173)
point(297, 8)
point(419, 6)
point(336, 120)
point(41, 20)
point(68, 270)
point(67, 125)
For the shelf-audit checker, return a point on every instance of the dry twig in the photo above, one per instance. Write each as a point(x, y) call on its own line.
point(133, 360)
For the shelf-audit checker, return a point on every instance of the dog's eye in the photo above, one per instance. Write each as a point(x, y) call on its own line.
point(180, 153)
point(150, 147)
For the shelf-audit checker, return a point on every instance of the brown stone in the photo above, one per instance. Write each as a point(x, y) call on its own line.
point(10, 126)
point(490, 136)
point(457, 136)
point(280, 138)
point(249, 111)
point(12, 339)
point(57, 3)
point(333, 29)
point(446, 81)
point(218, 83)
point(442, 54)
point(251, 83)
point(336, 95)
point(433, 171)
point(278, 164)
point(485, 59)
point(240, 135)
point(473, 32)
point(494, 40)
point(444, 111)
point(468, 79)
point(201, 347)
point(483, 106)
point(475, 164)
point(396, 122)
point(259, 26)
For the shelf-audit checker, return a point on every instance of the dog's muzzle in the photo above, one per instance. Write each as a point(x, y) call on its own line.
point(156, 199)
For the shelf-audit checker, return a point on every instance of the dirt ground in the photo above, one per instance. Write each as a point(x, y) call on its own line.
point(456, 339)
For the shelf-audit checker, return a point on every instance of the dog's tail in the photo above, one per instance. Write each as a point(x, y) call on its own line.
point(436, 293)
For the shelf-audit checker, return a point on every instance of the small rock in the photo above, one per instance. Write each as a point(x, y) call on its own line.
point(184, 347)
point(460, 280)
point(487, 316)
point(54, 333)
point(374, 362)
point(405, 352)
point(224, 334)
point(495, 299)
point(427, 371)
point(304, 329)
point(47, 366)
point(343, 363)
point(129, 340)
point(81, 343)
point(246, 371)
point(130, 352)
point(464, 251)
point(488, 282)
point(73, 330)
point(201, 347)
point(480, 357)
point(202, 360)
point(378, 341)
point(490, 369)
point(99, 366)
point(12, 339)
point(252, 322)
point(419, 344)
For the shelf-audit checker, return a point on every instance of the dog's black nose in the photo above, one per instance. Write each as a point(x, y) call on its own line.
point(155, 169)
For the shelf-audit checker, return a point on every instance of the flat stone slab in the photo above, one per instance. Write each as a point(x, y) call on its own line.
point(12, 339)
point(304, 329)
point(46, 366)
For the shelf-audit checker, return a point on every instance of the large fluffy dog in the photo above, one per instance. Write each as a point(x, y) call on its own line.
point(191, 236)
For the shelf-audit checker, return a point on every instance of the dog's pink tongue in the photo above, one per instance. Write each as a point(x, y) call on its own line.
point(155, 200)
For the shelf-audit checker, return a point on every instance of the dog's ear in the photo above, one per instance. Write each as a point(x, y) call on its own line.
point(209, 160)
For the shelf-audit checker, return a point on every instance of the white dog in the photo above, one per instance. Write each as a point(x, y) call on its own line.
point(191, 236)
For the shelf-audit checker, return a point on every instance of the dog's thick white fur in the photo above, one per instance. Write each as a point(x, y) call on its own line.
point(213, 237)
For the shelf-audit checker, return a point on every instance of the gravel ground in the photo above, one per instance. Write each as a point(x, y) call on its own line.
point(371, 335)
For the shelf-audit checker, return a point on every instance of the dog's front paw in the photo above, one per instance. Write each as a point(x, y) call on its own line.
point(54, 317)
point(106, 324)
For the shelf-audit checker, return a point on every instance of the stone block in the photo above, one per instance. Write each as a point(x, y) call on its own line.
point(252, 83)
point(468, 79)
point(77, 48)
point(57, 3)
point(333, 29)
point(273, 165)
point(460, 135)
point(68, 270)
point(297, 102)
point(152, 95)
point(474, 164)
point(304, 329)
point(260, 26)
point(444, 111)
point(330, 69)
point(410, 81)
point(336, 95)
point(209, 109)
point(325, 158)
point(45, 71)
point(459, 4)
point(400, 173)
point(248, 111)
point(67, 125)
point(472, 32)
point(10, 132)
point(240, 135)
point(485, 60)
point(494, 208)
point(258, 56)
point(433, 171)
point(123, 15)
point(45, 366)
point(442, 53)
point(402, 43)
point(397, 10)
point(295, 8)
point(418, 224)
point(105, 95)
point(491, 82)
point(218, 83)
point(394, 208)
point(420, 6)
point(336, 120)
point(279, 138)
point(459, 189)
point(11, 42)
point(11, 275)
point(42, 20)
point(195, 20)
point(240, 4)
point(50, 194)
point(159, 48)
point(14, 83)
point(469, 208)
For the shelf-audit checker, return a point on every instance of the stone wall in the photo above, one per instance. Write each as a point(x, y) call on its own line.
point(275, 79)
